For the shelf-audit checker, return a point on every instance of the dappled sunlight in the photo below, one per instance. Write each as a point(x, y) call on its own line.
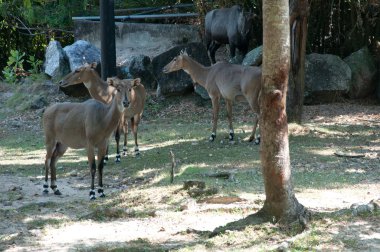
point(322, 152)
point(168, 143)
point(46, 216)
point(37, 157)
point(143, 209)
point(331, 199)
point(328, 131)
point(190, 168)
point(353, 171)
point(89, 233)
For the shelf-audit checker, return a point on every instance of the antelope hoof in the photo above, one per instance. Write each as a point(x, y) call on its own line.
point(231, 136)
point(137, 152)
point(257, 140)
point(118, 158)
point(57, 192)
point(212, 137)
point(125, 150)
point(101, 193)
point(46, 189)
point(92, 195)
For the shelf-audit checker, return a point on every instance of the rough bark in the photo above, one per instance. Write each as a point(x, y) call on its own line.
point(299, 11)
point(281, 203)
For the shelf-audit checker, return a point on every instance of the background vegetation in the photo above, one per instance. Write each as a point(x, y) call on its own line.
point(336, 27)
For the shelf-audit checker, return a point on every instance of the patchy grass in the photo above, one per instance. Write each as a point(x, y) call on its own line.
point(143, 211)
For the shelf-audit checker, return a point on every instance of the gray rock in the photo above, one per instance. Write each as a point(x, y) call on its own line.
point(141, 67)
point(202, 92)
point(327, 78)
point(369, 208)
point(122, 71)
point(55, 65)
point(179, 82)
point(254, 57)
point(363, 72)
point(81, 52)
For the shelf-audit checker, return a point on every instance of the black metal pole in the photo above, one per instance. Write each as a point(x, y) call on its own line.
point(107, 38)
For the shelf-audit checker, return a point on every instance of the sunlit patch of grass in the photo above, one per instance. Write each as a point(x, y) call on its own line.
point(35, 207)
point(39, 223)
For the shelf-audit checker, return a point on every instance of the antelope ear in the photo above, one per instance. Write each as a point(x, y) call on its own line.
point(93, 65)
point(136, 82)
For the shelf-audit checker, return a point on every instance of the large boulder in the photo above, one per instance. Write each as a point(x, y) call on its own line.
point(122, 71)
point(327, 78)
point(254, 57)
point(81, 52)
point(55, 65)
point(363, 72)
point(178, 82)
point(141, 67)
point(78, 54)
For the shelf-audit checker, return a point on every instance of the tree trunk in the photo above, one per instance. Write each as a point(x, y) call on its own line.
point(281, 203)
point(299, 10)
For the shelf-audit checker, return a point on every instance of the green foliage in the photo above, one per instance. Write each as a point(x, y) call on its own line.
point(35, 64)
point(16, 60)
point(14, 68)
point(9, 75)
point(342, 27)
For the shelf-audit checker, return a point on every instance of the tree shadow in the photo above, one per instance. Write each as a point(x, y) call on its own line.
point(252, 219)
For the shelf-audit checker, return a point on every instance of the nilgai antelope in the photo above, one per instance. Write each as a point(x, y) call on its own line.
point(230, 81)
point(86, 125)
point(227, 26)
point(136, 98)
point(101, 91)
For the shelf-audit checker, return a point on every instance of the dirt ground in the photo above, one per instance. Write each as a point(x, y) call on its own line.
point(166, 227)
point(169, 228)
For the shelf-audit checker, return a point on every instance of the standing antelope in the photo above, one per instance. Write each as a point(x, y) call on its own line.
point(136, 98)
point(227, 26)
point(223, 80)
point(100, 91)
point(81, 125)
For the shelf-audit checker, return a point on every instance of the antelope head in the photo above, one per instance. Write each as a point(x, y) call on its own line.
point(80, 75)
point(121, 92)
point(176, 64)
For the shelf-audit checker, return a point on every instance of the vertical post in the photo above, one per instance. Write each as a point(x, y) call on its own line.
point(107, 38)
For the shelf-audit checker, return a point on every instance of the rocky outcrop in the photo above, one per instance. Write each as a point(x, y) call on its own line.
point(363, 72)
point(178, 82)
point(141, 67)
point(254, 57)
point(81, 52)
point(55, 65)
point(327, 78)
